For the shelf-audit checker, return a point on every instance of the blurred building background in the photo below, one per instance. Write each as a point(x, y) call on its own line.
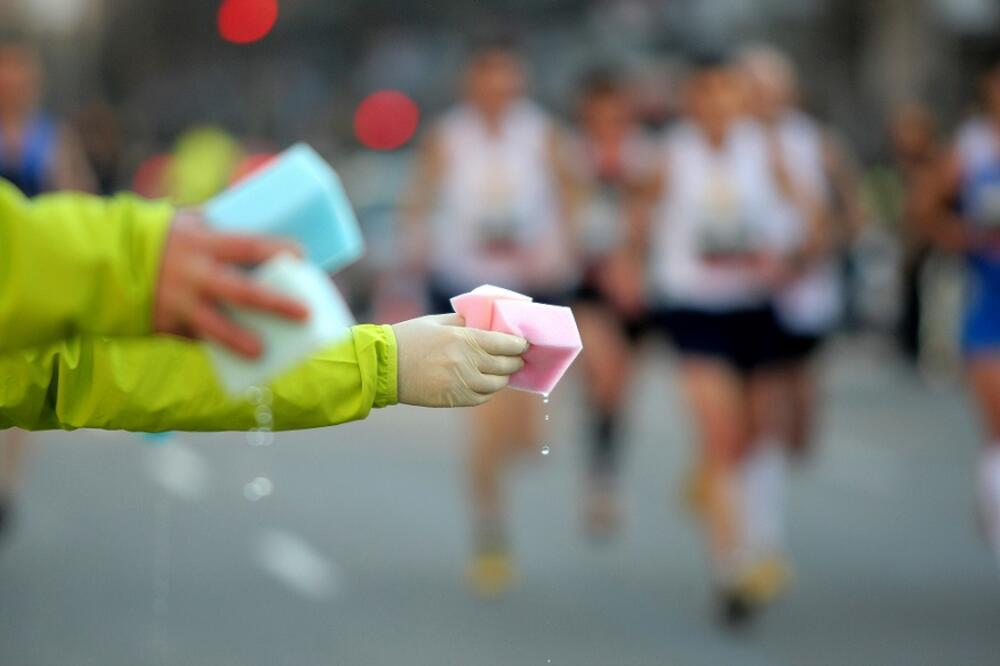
point(164, 66)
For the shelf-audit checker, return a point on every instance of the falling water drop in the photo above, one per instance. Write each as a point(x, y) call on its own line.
point(263, 415)
point(253, 395)
point(258, 489)
point(546, 450)
point(260, 437)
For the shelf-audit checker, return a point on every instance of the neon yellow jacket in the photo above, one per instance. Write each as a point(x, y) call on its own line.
point(74, 264)
point(75, 268)
point(161, 383)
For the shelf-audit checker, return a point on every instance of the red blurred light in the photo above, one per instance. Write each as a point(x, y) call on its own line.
point(246, 21)
point(386, 120)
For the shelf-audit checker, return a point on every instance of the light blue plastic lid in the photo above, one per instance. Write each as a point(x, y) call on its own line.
point(298, 196)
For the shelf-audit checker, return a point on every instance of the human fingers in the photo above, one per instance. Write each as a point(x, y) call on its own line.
point(499, 365)
point(499, 344)
point(209, 323)
point(249, 250)
point(486, 385)
point(233, 286)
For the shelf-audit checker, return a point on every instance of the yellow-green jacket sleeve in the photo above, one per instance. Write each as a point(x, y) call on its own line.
point(160, 383)
point(74, 264)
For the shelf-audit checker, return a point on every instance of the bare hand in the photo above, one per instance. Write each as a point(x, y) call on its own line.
point(201, 270)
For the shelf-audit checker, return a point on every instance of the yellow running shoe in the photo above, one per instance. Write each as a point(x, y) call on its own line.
point(766, 580)
point(760, 585)
point(491, 573)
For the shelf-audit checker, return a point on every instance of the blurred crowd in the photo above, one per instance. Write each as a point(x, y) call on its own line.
point(709, 210)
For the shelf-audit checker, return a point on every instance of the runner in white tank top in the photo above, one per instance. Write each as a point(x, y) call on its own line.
point(497, 219)
point(612, 161)
point(716, 221)
point(806, 302)
point(810, 305)
point(714, 260)
point(487, 205)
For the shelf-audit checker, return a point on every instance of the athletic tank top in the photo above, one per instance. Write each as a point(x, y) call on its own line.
point(812, 303)
point(30, 170)
point(600, 217)
point(497, 215)
point(717, 202)
point(978, 149)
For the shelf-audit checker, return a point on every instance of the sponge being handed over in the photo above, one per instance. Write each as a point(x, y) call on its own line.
point(551, 330)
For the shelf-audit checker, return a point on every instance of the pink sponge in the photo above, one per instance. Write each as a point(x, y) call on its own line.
point(477, 305)
point(551, 330)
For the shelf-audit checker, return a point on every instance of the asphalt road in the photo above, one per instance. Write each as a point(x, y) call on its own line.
point(132, 553)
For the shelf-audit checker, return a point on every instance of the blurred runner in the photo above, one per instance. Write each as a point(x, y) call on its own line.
point(809, 305)
point(916, 151)
point(37, 154)
point(715, 265)
point(102, 141)
point(963, 215)
point(611, 161)
point(487, 185)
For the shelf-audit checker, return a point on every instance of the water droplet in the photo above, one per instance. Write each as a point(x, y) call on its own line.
point(258, 395)
point(260, 437)
point(545, 400)
point(546, 417)
point(546, 450)
point(263, 415)
point(259, 488)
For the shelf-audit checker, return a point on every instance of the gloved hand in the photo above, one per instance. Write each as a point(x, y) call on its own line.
point(200, 270)
point(443, 364)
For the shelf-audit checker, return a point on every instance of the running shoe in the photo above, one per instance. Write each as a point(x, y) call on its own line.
point(760, 586)
point(767, 580)
point(491, 573)
point(735, 610)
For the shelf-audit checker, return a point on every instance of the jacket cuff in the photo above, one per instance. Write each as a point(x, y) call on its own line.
point(387, 383)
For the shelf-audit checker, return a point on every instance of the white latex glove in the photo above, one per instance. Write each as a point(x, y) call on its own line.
point(443, 364)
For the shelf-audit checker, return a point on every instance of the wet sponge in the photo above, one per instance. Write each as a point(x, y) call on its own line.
point(286, 343)
point(551, 330)
point(477, 305)
point(297, 196)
